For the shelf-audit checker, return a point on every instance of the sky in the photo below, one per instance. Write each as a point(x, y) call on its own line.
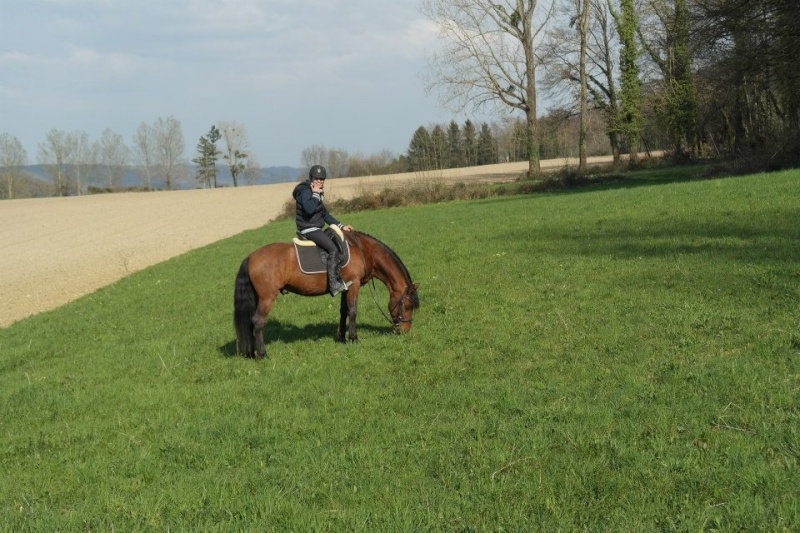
point(343, 74)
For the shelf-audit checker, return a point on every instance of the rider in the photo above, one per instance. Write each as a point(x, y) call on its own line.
point(312, 216)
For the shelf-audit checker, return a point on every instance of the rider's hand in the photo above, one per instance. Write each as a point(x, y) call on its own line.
point(347, 228)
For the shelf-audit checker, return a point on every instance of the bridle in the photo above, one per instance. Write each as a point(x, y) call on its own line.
point(400, 320)
point(394, 321)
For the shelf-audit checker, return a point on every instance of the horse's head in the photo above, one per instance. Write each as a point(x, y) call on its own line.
point(401, 308)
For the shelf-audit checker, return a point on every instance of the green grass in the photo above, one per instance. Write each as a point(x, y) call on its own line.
point(618, 358)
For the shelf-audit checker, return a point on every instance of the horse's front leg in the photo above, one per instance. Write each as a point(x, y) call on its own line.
point(343, 311)
point(351, 297)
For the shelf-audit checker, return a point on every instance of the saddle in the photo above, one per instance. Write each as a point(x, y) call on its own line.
point(314, 260)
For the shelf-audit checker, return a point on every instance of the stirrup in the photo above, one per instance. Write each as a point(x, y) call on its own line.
point(342, 287)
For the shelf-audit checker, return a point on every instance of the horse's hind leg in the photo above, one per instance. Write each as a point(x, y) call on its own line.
point(260, 318)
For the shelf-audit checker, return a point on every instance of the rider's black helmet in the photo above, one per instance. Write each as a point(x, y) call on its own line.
point(317, 172)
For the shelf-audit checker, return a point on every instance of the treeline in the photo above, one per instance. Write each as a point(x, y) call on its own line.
point(452, 145)
point(156, 156)
point(77, 165)
point(718, 78)
point(700, 78)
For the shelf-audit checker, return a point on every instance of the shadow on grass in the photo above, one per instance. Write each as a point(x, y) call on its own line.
point(604, 179)
point(289, 333)
point(769, 238)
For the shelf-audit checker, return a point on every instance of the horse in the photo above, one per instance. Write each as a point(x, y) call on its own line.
point(274, 269)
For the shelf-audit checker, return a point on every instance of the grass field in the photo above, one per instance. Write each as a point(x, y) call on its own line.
point(618, 358)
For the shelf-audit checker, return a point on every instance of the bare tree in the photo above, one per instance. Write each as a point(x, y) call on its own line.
point(582, 16)
point(490, 56)
point(112, 155)
point(580, 64)
point(313, 155)
point(54, 153)
point(81, 159)
point(170, 146)
point(12, 158)
point(361, 165)
point(144, 151)
point(236, 149)
point(603, 87)
point(338, 163)
point(335, 161)
point(252, 170)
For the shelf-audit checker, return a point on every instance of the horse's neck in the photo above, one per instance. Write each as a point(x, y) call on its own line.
point(386, 268)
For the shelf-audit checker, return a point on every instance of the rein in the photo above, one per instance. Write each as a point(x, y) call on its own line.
point(393, 322)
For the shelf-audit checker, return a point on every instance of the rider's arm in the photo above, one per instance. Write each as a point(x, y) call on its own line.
point(308, 201)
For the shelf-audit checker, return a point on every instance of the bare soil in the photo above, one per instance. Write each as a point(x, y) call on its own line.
point(55, 250)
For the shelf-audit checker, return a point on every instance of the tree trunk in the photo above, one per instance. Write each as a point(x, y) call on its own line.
point(583, 28)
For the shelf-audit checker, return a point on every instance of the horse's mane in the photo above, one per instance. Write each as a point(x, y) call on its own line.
point(396, 257)
point(391, 252)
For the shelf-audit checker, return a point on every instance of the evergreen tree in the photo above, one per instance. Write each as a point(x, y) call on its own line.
point(455, 155)
point(206, 159)
point(487, 147)
point(470, 144)
point(439, 148)
point(420, 150)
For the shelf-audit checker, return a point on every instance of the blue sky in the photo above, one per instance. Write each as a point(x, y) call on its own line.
point(344, 74)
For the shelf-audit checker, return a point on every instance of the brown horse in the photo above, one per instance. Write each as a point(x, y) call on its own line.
point(273, 269)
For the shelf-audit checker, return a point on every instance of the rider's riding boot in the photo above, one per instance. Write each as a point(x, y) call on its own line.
point(335, 283)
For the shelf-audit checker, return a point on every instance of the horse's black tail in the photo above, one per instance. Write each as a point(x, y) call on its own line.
point(245, 302)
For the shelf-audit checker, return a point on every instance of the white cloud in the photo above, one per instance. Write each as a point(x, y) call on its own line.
point(273, 65)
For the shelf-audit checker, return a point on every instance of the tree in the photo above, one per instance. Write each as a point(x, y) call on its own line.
point(420, 150)
point(747, 64)
point(112, 156)
point(603, 87)
point(514, 140)
point(81, 159)
point(470, 144)
point(582, 16)
point(439, 149)
point(454, 158)
point(487, 147)
point(335, 161)
point(580, 64)
point(170, 146)
point(12, 158)
point(489, 56)
point(236, 143)
point(630, 83)
point(54, 154)
point(313, 155)
point(380, 163)
point(206, 159)
point(252, 171)
point(667, 44)
point(145, 151)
